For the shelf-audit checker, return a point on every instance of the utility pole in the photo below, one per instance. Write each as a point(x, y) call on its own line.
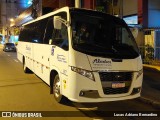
point(121, 9)
point(36, 8)
point(77, 3)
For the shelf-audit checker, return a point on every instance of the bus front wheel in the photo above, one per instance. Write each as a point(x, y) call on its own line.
point(56, 90)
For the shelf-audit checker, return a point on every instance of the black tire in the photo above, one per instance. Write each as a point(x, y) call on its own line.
point(56, 90)
point(25, 68)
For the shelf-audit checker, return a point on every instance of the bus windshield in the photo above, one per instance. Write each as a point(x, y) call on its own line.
point(102, 35)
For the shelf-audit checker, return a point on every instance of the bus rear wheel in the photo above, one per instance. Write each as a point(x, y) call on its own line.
point(25, 68)
point(56, 90)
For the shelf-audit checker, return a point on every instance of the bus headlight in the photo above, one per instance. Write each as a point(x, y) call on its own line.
point(139, 73)
point(83, 72)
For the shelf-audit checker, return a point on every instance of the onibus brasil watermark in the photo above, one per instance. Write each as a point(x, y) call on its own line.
point(21, 114)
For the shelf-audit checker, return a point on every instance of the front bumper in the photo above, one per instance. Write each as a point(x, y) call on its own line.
point(86, 90)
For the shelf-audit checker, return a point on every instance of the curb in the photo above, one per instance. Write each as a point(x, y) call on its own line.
point(152, 67)
point(155, 104)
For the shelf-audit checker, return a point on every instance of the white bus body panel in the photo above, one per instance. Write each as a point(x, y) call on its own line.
point(41, 59)
point(79, 83)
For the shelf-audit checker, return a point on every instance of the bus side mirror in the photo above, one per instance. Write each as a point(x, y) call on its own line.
point(57, 22)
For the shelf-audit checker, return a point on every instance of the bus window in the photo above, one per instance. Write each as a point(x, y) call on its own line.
point(48, 32)
point(39, 30)
point(102, 36)
point(60, 37)
point(25, 34)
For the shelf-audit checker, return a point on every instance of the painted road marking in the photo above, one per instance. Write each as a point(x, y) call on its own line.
point(98, 119)
point(89, 109)
point(8, 55)
point(15, 60)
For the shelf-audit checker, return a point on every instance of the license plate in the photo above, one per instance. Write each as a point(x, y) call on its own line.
point(118, 85)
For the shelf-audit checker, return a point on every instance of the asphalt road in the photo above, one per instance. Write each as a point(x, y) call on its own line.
point(151, 84)
point(26, 92)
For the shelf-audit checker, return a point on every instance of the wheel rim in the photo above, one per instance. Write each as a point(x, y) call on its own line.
point(56, 88)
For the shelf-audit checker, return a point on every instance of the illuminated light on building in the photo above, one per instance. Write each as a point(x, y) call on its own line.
point(29, 2)
point(12, 20)
point(24, 3)
point(132, 19)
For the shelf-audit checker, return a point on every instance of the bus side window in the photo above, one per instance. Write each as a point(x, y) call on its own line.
point(39, 30)
point(48, 32)
point(64, 35)
point(60, 37)
point(22, 35)
point(25, 34)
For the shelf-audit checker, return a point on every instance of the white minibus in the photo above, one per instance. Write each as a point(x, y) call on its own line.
point(83, 55)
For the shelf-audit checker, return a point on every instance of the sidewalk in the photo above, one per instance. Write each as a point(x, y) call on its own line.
point(151, 85)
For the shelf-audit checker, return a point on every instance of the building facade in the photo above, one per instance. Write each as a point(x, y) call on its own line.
point(9, 10)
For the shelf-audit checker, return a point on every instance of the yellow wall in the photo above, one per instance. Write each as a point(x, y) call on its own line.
point(149, 39)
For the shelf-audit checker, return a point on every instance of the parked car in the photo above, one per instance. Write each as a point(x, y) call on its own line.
point(9, 47)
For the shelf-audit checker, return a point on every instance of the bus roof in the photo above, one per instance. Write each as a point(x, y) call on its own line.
point(48, 15)
point(83, 10)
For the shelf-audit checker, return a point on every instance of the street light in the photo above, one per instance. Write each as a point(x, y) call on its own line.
point(12, 20)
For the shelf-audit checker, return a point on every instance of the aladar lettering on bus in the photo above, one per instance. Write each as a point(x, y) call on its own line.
point(99, 61)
